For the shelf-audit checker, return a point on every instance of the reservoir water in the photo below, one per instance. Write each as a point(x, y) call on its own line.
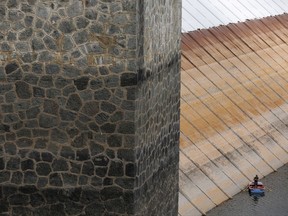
point(274, 203)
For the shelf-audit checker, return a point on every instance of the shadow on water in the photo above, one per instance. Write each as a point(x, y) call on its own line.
point(256, 197)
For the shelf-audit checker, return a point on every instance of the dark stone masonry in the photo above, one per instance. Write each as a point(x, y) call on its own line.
point(89, 107)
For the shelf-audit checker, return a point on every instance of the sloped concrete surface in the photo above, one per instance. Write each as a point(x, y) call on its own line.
point(234, 110)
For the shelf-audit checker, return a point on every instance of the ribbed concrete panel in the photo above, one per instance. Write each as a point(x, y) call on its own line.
point(234, 110)
point(186, 208)
point(202, 14)
point(192, 193)
point(200, 178)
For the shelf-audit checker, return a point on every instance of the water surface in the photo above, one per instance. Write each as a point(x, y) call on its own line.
point(274, 203)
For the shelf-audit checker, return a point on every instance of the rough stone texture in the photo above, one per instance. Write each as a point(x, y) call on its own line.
point(157, 105)
point(89, 115)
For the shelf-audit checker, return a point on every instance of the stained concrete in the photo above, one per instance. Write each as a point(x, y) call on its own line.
point(234, 111)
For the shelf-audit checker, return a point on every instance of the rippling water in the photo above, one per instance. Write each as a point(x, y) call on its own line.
point(274, 203)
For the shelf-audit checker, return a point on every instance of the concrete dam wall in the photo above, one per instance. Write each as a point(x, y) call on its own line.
point(234, 110)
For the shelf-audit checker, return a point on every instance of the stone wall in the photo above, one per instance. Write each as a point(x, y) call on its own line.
point(157, 108)
point(89, 114)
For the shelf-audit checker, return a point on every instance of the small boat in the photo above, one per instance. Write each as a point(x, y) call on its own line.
point(258, 189)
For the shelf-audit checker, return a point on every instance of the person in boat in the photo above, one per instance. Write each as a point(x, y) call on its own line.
point(256, 178)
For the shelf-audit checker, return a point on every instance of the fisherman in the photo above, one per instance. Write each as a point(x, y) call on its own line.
point(256, 178)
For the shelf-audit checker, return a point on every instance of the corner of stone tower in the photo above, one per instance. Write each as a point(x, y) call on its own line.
point(89, 114)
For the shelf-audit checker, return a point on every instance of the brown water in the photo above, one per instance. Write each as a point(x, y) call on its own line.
point(274, 203)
